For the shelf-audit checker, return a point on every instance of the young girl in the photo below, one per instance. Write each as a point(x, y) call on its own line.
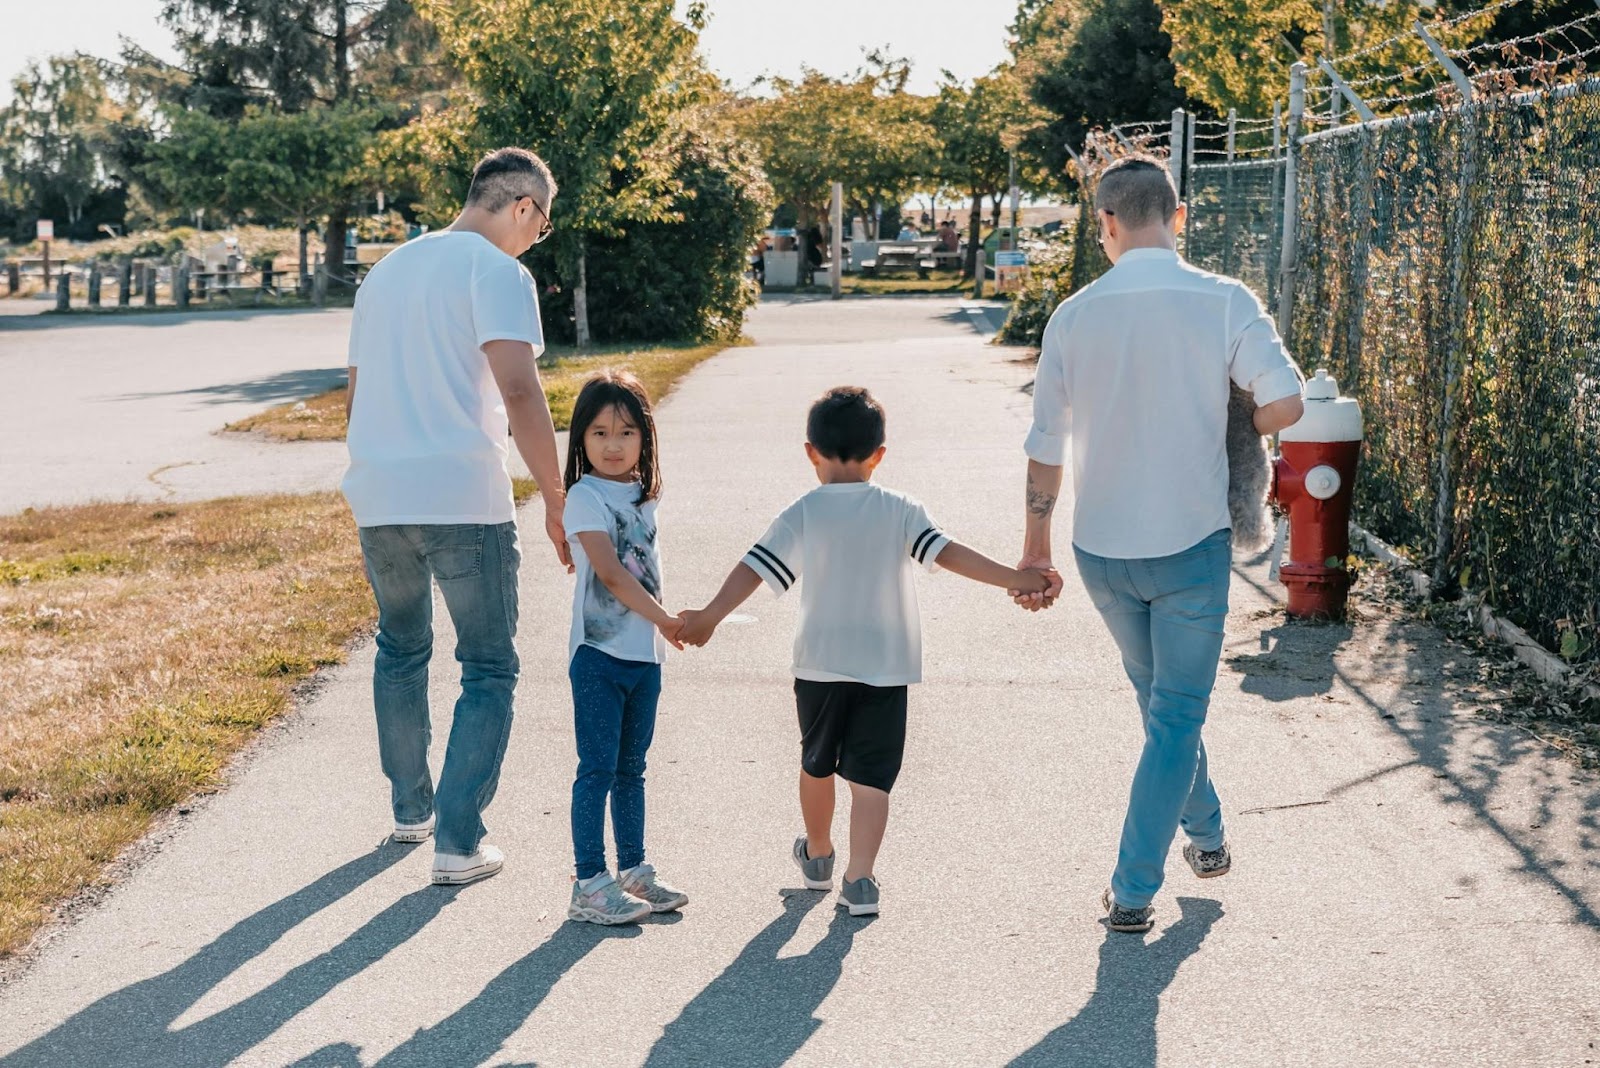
point(620, 633)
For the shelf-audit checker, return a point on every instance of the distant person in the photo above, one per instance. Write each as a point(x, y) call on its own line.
point(443, 358)
point(853, 546)
point(617, 644)
point(811, 251)
point(908, 232)
point(949, 238)
point(1133, 387)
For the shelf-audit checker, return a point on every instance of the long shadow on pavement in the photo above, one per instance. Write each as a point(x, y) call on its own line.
point(268, 389)
point(761, 1009)
point(148, 320)
point(1116, 1028)
point(1472, 759)
point(475, 1032)
point(133, 1025)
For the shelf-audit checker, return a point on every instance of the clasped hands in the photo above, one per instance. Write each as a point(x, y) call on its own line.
point(1044, 587)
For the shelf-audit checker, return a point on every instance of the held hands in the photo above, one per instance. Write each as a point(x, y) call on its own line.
point(1041, 584)
point(696, 627)
point(671, 629)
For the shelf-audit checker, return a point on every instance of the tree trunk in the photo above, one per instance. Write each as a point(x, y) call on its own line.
point(341, 50)
point(305, 279)
point(975, 234)
point(580, 302)
point(333, 241)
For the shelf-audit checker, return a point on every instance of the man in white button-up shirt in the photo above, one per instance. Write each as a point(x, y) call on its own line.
point(1133, 380)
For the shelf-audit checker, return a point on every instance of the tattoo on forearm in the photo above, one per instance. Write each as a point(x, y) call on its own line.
point(1040, 504)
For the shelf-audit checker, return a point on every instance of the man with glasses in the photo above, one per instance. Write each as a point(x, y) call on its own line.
point(1133, 383)
point(443, 358)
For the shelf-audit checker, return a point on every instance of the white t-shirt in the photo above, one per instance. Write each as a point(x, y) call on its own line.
point(1134, 368)
point(598, 618)
point(855, 544)
point(428, 433)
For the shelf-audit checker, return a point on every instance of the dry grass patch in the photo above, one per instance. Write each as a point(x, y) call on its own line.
point(321, 418)
point(140, 647)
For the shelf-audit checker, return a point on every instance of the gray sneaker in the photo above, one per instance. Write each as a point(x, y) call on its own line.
point(602, 900)
point(860, 896)
point(641, 882)
point(1131, 921)
point(815, 872)
point(1208, 863)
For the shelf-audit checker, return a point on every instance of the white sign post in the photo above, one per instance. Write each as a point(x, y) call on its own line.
point(45, 232)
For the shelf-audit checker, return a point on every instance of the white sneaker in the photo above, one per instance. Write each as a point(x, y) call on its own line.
point(601, 900)
point(641, 882)
point(452, 870)
point(412, 833)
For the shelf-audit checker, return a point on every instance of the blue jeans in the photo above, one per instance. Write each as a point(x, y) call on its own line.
point(476, 568)
point(614, 713)
point(1166, 615)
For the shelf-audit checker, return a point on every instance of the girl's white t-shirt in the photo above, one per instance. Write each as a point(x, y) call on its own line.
point(853, 548)
point(598, 618)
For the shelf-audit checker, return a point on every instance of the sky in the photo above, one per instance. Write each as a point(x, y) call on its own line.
point(745, 38)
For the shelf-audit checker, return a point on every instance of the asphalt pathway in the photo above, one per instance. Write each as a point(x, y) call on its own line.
point(1413, 885)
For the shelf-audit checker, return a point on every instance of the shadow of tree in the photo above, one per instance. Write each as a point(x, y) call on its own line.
point(270, 389)
point(1116, 1028)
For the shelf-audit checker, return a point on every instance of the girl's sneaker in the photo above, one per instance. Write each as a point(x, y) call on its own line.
point(641, 882)
point(600, 899)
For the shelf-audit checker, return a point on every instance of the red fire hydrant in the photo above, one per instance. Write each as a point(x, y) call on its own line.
point(1313, 481)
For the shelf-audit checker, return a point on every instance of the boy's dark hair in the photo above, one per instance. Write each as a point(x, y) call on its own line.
point(1138, 190)
point(508, 174)
point(621, 390)
point(846, 424)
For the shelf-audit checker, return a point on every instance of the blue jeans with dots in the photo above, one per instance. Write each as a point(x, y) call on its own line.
point(614, 716)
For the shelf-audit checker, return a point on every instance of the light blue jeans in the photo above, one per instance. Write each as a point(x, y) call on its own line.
point(476, 568)
point(1166, 615)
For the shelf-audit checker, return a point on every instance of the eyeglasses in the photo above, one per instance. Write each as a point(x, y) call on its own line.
point(548, 228)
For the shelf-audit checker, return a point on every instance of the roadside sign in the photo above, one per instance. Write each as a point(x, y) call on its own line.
point(1010, 271)
point(46, 230)
point(1010, 259)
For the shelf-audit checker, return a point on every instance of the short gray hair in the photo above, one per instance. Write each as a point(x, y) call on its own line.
point(1138, 190)
point(505, 175)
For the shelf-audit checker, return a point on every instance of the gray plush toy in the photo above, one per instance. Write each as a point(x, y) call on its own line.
point(1249, 475)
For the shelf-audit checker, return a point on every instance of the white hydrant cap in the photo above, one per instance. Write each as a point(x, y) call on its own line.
point(1329, 417)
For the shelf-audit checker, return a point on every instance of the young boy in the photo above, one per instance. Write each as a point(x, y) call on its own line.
point(859, 643)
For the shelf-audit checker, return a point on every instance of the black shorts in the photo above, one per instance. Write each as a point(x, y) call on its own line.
point(852, 730)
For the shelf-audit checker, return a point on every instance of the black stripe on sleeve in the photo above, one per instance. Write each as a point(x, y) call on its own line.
point(769, 559)
point(919, 550)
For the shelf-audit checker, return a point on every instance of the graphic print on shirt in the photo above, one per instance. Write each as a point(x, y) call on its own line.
point(603, 615)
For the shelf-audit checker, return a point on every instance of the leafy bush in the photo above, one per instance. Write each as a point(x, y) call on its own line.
point(681, 280)
point(1049, 283)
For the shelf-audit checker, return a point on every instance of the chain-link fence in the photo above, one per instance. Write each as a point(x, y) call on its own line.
point(1445, 267)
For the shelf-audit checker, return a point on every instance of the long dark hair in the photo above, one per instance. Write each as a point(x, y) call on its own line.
point(619, 389)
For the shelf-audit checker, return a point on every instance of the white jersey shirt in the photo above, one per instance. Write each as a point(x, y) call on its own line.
point(852, 546)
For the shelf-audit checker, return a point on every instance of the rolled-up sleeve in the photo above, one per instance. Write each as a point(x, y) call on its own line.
point(1258, 362)
point(1052, 407)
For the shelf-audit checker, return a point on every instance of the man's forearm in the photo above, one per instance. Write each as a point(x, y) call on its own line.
point(1044, 487)
point(535, 434)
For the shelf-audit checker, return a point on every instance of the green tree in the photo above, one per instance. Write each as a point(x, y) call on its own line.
point(53, 140)
point(1093, 63)
point(301, 55)
point(979, 127)
point(269, 164)
point(1237, 53)
point(865, 132)
point(593, 88)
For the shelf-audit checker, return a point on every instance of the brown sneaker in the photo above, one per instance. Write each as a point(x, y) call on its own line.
point(1130, 921)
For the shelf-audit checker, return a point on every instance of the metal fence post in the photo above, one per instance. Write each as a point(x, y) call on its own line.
point(1180, 123)
point(1288, 255)
point(1458, 243)
point(1277, 197)
point(1227, 195)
